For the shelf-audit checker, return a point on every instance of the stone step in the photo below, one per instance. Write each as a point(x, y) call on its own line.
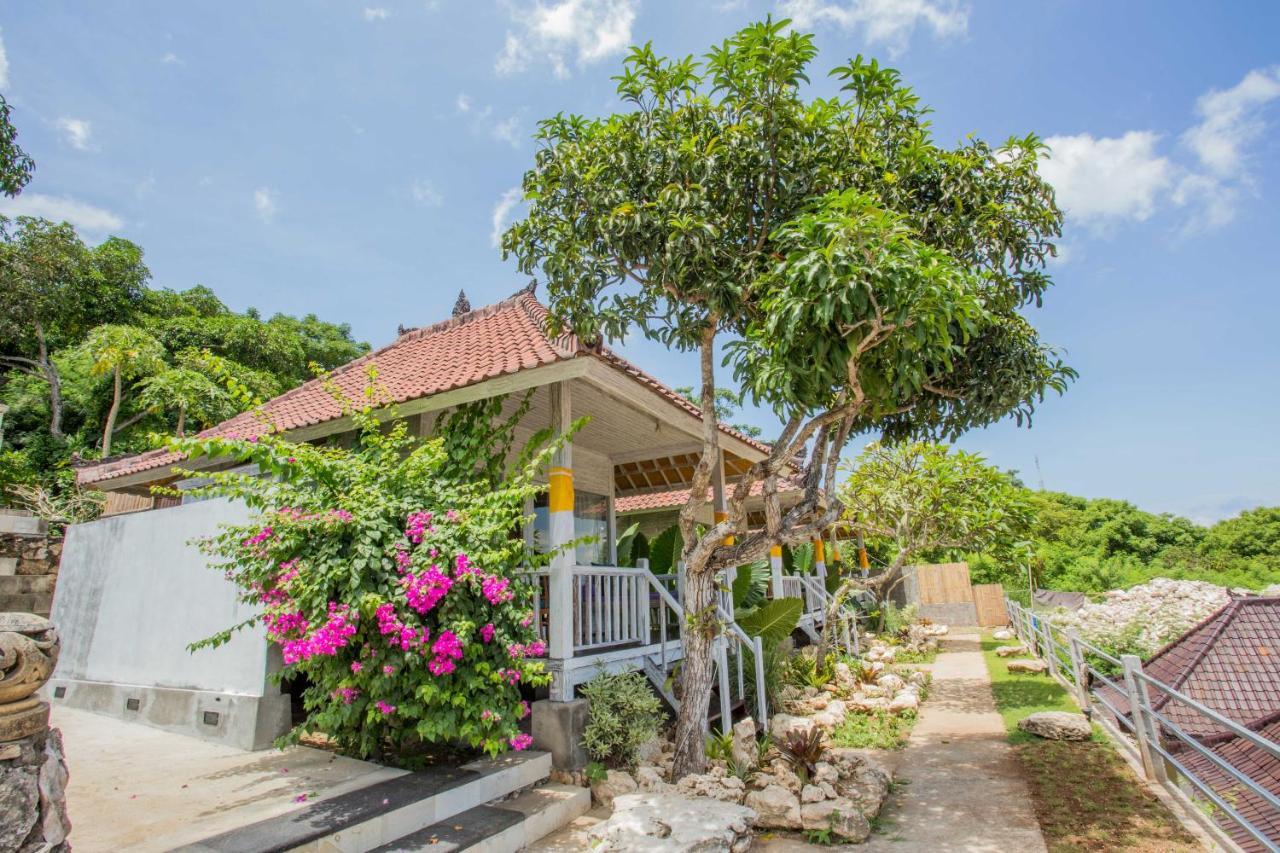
point(362, 820)
point(501, 827)
point(39, 603)
point(25, 525)
point(26, 584)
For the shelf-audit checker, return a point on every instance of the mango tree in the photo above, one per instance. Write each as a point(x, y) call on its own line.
point(862, 276)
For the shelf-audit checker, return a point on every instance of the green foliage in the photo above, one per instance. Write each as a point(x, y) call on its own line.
point(772, 621)
point(665, 550)
point(626, 545)
point(624, 713)
point(751, 585)
point(15, 165)
point(927, 499)
point(805, 670)
point(353, 540)
point(874, 730)
point(808, 229)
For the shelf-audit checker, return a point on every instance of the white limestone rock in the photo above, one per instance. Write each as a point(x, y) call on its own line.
point(615, 784)
point(782, 725)
point(1029, 666)
point(1002, 634)
point(845, 820)
point(1057, 725)
point(746, 752)
point(1010, 651)
point(673, 823)
point(775, 807)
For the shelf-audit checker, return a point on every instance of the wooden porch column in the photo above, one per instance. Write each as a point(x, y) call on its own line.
point(560, 516)
point(719, 504)
point(820, 559)
point(775, 568)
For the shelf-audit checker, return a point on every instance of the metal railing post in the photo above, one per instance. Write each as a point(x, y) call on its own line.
point(762, 702)
point(1079, 673)
point(1137, 709)
point(726, 715)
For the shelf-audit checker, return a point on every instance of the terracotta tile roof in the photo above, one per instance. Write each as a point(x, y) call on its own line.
point(492, 341)
point(1260, 766)
point(673, 498)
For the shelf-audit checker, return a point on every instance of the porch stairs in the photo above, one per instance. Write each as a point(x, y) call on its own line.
point(440, 809)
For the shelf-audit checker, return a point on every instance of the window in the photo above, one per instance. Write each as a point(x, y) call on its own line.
point(590, 518)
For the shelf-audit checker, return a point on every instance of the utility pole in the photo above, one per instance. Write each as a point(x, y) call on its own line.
point(1039, 473)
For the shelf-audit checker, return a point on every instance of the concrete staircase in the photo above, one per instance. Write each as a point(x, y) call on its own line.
point(439, 809)
point(28, 563)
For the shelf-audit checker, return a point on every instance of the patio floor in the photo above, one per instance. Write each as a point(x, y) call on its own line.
point(136, 788)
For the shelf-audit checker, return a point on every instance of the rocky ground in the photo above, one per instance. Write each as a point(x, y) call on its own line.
point(1147, 616)
point(801, 782)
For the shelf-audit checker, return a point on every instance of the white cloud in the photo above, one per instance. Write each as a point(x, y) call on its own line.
point(509, 130)
point(464, 102)
point(4, 66)
point(584, 30)
point(76, 132)
point(887, 22)
point(1106, 180)
point(1102, 179)
point(502, 212)
point(170, 58)
point(731, 5)
point(1230, 120)
point(425, 193)
point(264, 201)
point(82, 215)
point(376, 13)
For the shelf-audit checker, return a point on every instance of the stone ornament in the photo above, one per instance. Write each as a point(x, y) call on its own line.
point(28, 653)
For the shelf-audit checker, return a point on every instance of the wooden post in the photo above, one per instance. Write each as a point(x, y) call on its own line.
point(775, 570)
point(560, 601)
point(1080, 673)
point(1152, 762)
point(820, 561)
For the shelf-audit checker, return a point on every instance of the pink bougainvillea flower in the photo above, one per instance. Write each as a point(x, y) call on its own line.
point(356, 666)
point(490, 716)
point(425, 589)
point(388, 670)
point(416, 526)
point(520, 741)
point(496, 590)
point(524, 710)
point(384, 708)
point(462, 566)
point(301, 798)
point(486, 633)
point(452, 515)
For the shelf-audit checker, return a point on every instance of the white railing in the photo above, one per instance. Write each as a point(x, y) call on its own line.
point(1096, 677)
point(804, 588)
point(611, 607)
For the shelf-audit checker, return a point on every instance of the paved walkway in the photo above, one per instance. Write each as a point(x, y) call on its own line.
point(136, 788)
point(963, 789)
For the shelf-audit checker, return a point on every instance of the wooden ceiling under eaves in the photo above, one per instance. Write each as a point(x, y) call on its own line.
point(667, 472)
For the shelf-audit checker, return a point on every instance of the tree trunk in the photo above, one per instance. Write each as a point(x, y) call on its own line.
point(111, 414)
point(697, 673)
point(182, 420)
point(55, 385)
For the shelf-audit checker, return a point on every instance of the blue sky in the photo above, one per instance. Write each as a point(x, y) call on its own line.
point(354, 158)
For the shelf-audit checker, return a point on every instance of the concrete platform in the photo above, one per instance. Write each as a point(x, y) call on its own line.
point(136, 788)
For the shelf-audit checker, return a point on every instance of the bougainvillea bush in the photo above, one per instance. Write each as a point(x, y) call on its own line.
point(389, 574)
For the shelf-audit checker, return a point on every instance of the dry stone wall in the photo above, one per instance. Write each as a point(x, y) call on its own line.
point(29, 559)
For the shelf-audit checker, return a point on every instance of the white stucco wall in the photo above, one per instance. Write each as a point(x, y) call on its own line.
point(133, 591)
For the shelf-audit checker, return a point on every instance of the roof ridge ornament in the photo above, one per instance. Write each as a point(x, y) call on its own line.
point(463, 305)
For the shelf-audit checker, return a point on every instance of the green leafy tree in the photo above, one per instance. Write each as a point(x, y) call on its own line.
point(924, 498)
point(865, 277)
point(15, 165)
point(123, 353)
point(53, 289)
point(728, 405)
point(187, 392)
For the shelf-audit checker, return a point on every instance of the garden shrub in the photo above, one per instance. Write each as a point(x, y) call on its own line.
point(389, 574)
point(624, 714)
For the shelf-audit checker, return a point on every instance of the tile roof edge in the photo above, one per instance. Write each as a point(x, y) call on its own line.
point(1223, 615)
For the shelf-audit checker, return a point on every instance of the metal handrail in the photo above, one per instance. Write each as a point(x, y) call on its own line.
point(1145, 723)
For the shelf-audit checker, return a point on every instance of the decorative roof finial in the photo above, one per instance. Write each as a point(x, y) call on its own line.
point(463, 305)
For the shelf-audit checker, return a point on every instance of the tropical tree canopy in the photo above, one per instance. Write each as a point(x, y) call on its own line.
point(866, 277)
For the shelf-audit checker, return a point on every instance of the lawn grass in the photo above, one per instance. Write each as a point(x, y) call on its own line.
point(1085, 796)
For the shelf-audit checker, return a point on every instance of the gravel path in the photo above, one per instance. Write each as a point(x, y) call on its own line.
point(962, 786)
